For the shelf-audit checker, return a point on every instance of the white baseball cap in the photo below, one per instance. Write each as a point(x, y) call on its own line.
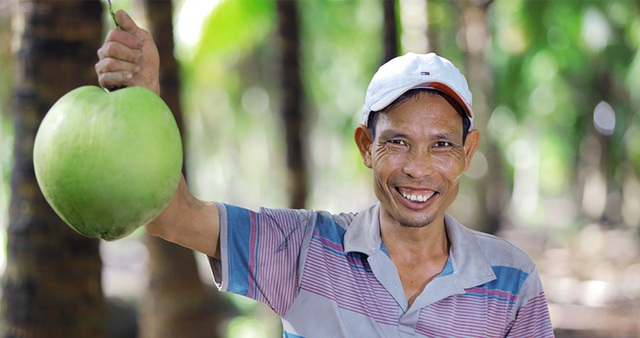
point(412, 71)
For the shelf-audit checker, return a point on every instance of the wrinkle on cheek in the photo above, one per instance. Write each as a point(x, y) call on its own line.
point(380, 151)
point(451, 161)
point(458, 156)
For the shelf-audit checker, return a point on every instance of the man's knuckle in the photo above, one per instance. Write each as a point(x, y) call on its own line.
point(110, 49)
point(106, 64)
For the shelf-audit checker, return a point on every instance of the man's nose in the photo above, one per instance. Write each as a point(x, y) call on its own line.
point(419, 163)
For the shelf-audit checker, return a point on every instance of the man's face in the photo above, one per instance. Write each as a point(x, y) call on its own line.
point(417, 159)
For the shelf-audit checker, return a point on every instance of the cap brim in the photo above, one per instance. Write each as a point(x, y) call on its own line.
point(388, 99)
point(447, 90)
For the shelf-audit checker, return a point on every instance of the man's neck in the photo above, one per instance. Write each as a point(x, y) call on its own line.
point(421, 242)
point(419, 254)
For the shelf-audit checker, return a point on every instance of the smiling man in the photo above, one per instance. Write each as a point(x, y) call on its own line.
point(418, 147)
point(402, 268)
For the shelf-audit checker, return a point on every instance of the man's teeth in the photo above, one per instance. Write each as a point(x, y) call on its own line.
point(417, 198)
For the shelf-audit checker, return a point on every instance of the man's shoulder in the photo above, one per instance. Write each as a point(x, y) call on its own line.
point(345, 220)
point(339, 217)
point(501, 252)
point(496, 251)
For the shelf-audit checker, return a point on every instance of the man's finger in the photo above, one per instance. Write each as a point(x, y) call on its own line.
point(127, 24)
point(125, 38)
point(111, 65)
point(116, 50)
point(114, 79)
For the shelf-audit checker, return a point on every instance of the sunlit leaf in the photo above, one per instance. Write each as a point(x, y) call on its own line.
point(235, 26)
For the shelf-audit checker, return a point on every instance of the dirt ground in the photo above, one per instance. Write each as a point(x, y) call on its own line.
point(592, 281)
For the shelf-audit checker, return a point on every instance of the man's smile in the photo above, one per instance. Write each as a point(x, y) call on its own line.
point(420, 196)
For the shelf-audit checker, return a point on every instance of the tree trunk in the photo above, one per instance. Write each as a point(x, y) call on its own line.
point(52, 284)
point(177, 303)
point(491, 188)
point(390, 29)
point(292, 101)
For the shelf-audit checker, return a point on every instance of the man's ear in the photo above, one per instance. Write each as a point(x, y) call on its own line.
point(364, 140)
point(470, 147)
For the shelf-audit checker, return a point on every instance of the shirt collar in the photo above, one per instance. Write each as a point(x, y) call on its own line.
point(363, 234)
point(469, 263)
point(468, 259)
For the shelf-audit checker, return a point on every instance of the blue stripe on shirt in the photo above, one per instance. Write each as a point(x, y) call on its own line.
point(330, 230)
point(508, 279)
point(447, 270)
point(238, 237)
point(331, 234)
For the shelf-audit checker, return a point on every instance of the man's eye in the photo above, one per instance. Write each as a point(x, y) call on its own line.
point(398, 142)
point(443, 144)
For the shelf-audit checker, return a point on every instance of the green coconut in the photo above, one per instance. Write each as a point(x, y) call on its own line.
point(108, 162)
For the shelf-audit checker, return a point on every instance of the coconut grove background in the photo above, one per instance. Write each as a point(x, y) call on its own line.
point(267, 94)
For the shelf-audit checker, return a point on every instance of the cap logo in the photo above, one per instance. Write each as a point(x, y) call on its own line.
point(425, 73)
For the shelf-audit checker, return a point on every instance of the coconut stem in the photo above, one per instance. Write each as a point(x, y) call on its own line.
point(113, 15)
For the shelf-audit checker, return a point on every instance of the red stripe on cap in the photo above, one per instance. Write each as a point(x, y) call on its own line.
point(444, 88)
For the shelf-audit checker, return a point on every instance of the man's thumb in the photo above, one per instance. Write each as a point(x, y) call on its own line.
point(125, 21)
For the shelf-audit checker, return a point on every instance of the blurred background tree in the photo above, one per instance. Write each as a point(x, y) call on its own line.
point(51, 286)
point(556, 88)
point(177, 303)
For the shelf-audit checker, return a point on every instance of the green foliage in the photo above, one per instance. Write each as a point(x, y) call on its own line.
point(6, 127)
point(231, 87)
point(236, 27)
point(552, 63)
point(632, 142)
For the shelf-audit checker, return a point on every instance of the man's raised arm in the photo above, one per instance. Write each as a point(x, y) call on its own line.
point(129, 57)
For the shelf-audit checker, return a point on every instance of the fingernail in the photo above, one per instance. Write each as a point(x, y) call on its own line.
point(129, 76)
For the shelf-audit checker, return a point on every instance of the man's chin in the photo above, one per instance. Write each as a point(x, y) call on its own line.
point(413, 221)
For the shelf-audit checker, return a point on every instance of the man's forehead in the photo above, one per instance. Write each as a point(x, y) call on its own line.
point(437, 116)
point(421, 105)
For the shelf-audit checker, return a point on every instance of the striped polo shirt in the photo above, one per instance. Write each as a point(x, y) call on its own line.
point(330, 275)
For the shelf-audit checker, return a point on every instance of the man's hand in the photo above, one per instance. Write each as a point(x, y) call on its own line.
point(128, 57)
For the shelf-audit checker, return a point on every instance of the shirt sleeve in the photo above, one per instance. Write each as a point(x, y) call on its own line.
point(532, 318)
point(260, 253)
